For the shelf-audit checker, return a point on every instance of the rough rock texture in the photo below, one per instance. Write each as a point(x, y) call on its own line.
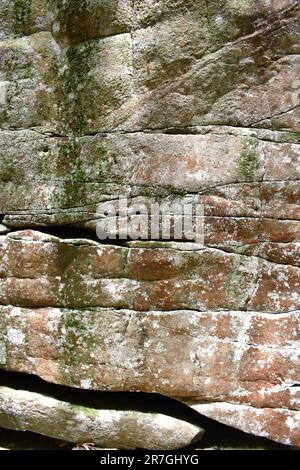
point(278, 424)
point(110, 318)
point(174, 100)
point(28, 411)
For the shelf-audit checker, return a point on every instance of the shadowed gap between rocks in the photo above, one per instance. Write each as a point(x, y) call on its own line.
point(215, 432)
point(66, 232)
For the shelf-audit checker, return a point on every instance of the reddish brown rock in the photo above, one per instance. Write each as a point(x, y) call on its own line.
point(73, 274)
point(172, 101)
point(240, 357)
point(280, 425)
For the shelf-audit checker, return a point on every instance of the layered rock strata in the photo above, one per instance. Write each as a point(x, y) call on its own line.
point(175, 101)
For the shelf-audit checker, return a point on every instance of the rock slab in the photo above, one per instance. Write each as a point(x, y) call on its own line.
point(177, 101)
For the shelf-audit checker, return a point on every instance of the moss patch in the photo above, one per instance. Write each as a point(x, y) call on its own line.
point(89, 412)
point(297, 135)
point(74, 84)
point(248, 163)
point(9, 171)
point(236, 283)
point(103, 159)
point(22, 15)
point(72, 191)
point(79, 340)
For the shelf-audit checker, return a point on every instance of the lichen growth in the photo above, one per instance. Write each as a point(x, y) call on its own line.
point(78, 341)
point(248, 162)
point(44, 166)
point(9, 171)
point(238, 247)
point(125, 117)
point(103, 160)
point(22, 14)
point(148, 244)
point(239, 6)
point(235, 283)
point(72, 191)
point(74, 86)
point(67, 11)
point(89, 412)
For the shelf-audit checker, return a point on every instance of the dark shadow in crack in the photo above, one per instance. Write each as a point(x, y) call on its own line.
point(216, 435)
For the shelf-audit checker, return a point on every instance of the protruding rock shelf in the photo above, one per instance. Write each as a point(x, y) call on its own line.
point(28, 411)
point(78, 313)
point(38, 270)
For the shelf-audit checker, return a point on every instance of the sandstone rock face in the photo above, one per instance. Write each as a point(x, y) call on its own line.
point(278, 424)
point(147, 318)
point(28, 411)
point(177, 101)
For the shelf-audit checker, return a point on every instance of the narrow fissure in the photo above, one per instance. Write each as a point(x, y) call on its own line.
point(70, 232)
point(215, 432)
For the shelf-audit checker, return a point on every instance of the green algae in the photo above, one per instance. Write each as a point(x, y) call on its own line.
point(248, 163)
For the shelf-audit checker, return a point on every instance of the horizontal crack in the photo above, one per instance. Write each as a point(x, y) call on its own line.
point(123, 401)
point(197, 129)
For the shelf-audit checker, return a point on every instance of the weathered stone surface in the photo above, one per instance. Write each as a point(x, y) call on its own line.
point(3, 229)
point(28, 82)
point(39, 271)
point(182, 65)
point(204, 64)
point(79, 21)
point(27, 411)
point(250, 358)
point(196, 63)
point(22, 18)
point(277, 424)
point(241, 357)
point(168, 100)
point(50, 180)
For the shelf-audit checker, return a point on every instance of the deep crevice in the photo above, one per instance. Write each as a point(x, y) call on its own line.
point(66, 232)
point(136, 401)
point(70, 232)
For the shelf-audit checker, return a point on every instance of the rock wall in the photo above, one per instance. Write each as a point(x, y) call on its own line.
point(185, 101)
